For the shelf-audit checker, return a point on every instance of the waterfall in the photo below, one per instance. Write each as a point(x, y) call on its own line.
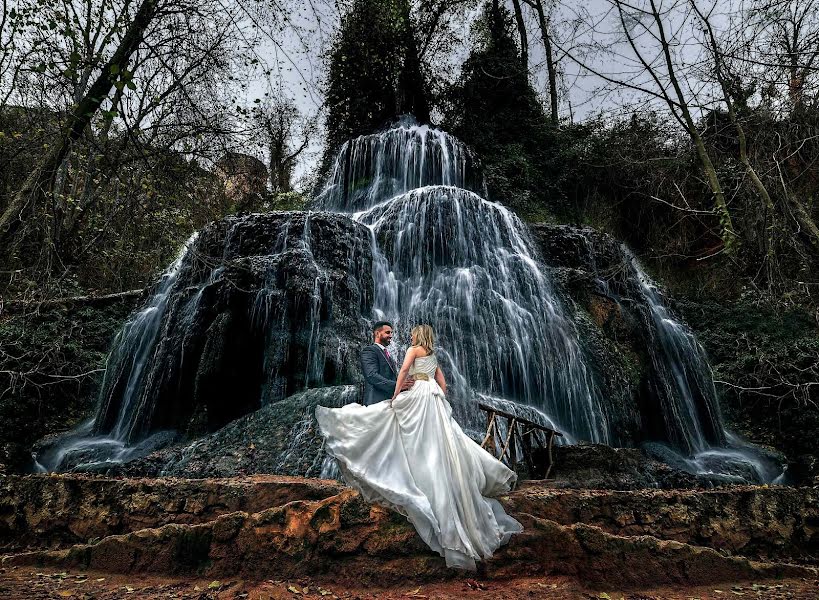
point(683, 426)
point(689, 406)
point(688, 399)
point(259, 308)
point(372, 168)
point(239, 320)
point(129, 364)
point(444, 255)
point(465, 265)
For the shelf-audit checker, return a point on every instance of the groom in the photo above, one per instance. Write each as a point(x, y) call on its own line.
point(380, 368)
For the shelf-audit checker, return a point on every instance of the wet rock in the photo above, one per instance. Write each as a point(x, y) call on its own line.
point(256, 308)
point(618, 543)
point(595, 466)
point(281, 438)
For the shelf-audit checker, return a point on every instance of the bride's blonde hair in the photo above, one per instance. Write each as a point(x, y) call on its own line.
point(424, 337)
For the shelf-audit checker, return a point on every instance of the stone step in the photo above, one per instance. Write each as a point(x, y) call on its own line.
point(58, 510)
point(777, 523)
point(765, 522)
point(345, 539)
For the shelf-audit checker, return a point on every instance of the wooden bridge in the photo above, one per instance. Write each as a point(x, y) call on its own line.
point(536, 442)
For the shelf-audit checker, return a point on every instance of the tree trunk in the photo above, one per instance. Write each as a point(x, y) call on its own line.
point(762, 191)
point(727, 232)
point(537, 5)
point(524, 38)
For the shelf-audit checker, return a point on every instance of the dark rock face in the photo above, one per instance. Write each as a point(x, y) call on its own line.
point(281, 438)
point(270, 304)
point(255, 309)
point(612, 331)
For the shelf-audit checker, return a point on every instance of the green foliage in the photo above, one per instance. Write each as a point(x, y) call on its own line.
point(766, 363)
point(51, 363)
point(289, 201)
point(374, 74)
point(123, 218)
point(494, 109)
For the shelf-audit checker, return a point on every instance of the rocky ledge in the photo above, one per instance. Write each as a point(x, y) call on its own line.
point(272, 527)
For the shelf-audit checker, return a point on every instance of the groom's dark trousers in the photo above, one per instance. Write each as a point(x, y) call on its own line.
point(380, 374)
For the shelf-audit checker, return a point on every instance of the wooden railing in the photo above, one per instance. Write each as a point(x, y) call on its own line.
point(528, 434)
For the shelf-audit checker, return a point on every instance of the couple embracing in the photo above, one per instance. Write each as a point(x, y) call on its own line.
point(403, 449)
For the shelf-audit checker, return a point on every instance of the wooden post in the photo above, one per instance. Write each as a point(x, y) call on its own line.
point(509, 431)
point(551, 459)
point(526, 446)
point(516, 432)
point(489, 440)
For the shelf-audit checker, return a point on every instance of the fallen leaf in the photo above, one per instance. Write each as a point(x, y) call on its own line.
point(214, 584)
point(604, 596)
point(100, 579)
point(294, 589)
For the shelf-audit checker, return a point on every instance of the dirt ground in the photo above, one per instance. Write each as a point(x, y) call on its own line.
point(26, 583)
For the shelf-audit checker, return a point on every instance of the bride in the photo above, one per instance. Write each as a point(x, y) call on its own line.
point(408, 453)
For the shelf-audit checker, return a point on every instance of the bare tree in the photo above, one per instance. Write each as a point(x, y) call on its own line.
point(522, 34)
point(650, 41)
point(544, 26)
point(128, 83)
point(286, 136)
point(33, 195)
point(788, 39)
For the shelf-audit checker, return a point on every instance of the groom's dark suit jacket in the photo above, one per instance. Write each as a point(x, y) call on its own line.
point(380, 374)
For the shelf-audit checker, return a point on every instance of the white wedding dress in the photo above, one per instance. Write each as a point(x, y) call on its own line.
point(415, 458)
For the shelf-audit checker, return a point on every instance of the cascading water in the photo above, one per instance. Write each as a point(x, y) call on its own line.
point(687, 430)
point(464, 265)
point(444, 255)
point(374, 168)
point(129, 364)
point(254, 309)
point(259, 308)
point(690, 411)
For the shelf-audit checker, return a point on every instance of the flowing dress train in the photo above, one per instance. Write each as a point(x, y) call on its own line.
point(415, 458)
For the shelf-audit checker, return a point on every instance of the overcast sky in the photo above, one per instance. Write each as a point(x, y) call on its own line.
point(296, 56)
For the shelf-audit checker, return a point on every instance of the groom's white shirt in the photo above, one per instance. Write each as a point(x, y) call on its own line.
point(389, 360)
